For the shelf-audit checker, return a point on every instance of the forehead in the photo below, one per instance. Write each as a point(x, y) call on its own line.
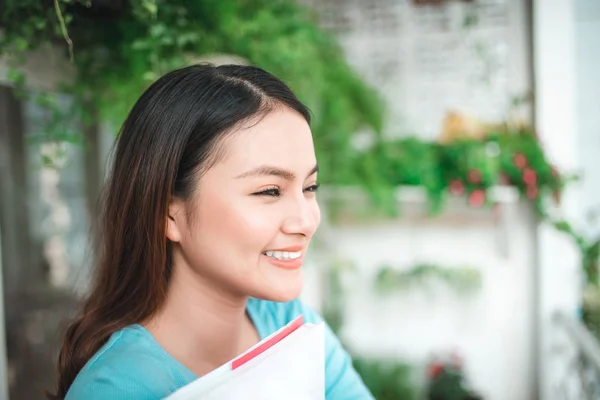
point(281, 138)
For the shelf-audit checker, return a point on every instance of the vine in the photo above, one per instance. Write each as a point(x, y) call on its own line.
point(589, 250)
point(63, 28)
point(464, 167)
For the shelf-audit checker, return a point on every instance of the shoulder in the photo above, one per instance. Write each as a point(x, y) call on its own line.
point(129, 366)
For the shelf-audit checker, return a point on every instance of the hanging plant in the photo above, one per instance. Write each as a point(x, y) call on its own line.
point(461, 279)
point(466, 167)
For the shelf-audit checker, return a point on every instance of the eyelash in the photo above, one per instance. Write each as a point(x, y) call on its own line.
point(276, 192)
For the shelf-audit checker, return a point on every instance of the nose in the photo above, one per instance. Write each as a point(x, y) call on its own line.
point(303, 217)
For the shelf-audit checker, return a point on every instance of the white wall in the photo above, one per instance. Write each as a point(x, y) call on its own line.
point(557, 118)
point(587, 78)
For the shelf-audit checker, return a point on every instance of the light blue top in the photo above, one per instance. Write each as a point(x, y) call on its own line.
point(133, 366)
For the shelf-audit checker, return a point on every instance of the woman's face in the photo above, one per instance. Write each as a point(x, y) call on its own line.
point(254, 213)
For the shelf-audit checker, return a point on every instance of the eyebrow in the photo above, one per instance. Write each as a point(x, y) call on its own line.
point(267, 170)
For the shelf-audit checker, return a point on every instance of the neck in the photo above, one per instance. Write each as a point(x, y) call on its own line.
point(201, 325)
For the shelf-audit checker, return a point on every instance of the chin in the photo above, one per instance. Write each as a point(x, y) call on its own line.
point(283, 290)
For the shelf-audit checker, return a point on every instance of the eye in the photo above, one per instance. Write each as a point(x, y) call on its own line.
point(312, 188)
point(273, 192)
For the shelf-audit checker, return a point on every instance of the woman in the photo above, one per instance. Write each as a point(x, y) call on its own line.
point(207, 217)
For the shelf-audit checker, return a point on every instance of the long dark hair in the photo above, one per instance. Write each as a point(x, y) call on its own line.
point(171, 135)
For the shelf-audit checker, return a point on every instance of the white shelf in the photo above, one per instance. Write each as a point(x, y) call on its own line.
point(497, 194)
point(417, 194)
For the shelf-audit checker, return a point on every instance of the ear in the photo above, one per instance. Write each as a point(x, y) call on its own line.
point(175, 221)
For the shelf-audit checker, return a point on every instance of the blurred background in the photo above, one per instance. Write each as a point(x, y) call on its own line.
point(459, 143)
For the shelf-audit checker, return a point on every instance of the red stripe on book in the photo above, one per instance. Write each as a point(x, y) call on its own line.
point(255, 352)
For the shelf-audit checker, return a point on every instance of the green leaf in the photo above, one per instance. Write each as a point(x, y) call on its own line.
point(21, 44)
point(16, 76)
point(150, 6)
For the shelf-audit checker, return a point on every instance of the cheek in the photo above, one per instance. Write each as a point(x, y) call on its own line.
point(254, 227)
point(236, 226)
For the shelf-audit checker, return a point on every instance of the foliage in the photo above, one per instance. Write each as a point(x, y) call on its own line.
point(119, 48)
point(387, 380)
point(461, 279)
point(414, 162)
point(590, 310)
point(467, 166)
point(589, 250)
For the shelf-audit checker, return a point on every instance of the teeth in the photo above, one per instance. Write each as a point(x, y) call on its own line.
point(283, 255)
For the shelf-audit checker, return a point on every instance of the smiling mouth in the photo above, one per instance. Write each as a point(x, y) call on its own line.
point(283, 255)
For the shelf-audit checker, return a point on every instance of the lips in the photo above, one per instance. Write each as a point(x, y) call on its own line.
point(291, 257)
point(280, 262)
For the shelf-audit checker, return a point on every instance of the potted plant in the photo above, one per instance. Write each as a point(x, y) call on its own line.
point(446, 380)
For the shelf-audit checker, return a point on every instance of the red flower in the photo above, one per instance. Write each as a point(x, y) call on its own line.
point(474, 176)
point(520, 160)
point(529, 176)
point(456, 187)
point(435, 369)
point(477, 198)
